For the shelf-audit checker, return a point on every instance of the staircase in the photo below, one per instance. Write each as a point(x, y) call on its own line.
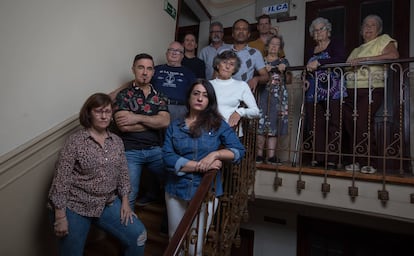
point(101, 244)
point(152, 216)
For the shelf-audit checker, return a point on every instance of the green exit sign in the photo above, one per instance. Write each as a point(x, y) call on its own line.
point(170, 9)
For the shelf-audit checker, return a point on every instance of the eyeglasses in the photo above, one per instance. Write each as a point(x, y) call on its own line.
point(316, 30)
point(229, 62)
point(216, 31)
point(177, 51)
point(100, 112)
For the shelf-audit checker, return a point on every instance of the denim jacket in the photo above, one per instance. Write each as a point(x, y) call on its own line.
point(179, 148)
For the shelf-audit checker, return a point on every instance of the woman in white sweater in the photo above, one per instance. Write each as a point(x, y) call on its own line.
point(235, 99)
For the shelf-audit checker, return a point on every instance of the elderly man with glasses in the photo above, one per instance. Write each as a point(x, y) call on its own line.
point(173, 80)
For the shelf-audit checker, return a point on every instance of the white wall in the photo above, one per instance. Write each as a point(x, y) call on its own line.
point(55, 53)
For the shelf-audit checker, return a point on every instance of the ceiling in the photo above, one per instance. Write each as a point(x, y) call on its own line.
point(208, 9)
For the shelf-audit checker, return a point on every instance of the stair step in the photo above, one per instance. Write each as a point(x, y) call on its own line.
point(152, 215)
point(156, 207)
point(101, 244)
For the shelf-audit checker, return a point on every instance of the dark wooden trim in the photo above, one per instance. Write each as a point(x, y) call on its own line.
point(324, 236)
point(283, 19)
point(378, 177)
point(400, 23)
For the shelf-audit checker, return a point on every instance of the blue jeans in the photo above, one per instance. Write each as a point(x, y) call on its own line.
point(137, 159)
point(132, 236)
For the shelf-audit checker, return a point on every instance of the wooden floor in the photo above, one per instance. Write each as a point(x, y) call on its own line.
point(102, 244)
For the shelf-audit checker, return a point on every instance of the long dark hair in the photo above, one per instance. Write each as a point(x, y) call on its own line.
point(210, 118)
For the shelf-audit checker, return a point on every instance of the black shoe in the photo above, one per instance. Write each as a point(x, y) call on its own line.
point(259, 159)
point(274, 160)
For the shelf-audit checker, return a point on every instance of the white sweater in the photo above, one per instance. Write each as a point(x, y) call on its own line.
point(230, 93)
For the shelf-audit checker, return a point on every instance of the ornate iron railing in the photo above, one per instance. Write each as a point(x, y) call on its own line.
point(391, 128)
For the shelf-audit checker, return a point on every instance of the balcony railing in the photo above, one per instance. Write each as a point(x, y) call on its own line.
point(213, 230)
point(308, 140)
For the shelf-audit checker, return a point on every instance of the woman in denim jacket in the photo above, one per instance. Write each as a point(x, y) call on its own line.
point(194, 145)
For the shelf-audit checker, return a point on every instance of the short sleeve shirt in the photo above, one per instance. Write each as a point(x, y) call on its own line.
point(208, 53)
point(174, 82)
point(251, 60)
point(133, 99)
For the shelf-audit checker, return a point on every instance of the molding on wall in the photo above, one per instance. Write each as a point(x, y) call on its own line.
point(25, 158)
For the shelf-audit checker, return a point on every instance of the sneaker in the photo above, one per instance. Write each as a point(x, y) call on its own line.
point(352, 167)
point(316, 164)
point(274, 160)
point(259, 159)
point(331, 166)
point(368, 169)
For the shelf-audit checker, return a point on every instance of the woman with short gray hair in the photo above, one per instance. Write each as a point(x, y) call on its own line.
point(325, 97)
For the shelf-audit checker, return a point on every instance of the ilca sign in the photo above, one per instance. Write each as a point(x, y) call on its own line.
point(275, 9)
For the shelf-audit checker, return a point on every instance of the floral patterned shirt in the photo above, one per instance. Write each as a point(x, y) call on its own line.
point(89, 176)
point(133, 99)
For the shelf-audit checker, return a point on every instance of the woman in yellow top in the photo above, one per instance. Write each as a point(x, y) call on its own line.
point(368, 91)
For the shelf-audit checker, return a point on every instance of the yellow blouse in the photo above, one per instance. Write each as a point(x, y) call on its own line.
point(371, 48)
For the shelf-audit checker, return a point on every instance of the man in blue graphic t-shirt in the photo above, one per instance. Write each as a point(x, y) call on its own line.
point(173, 80)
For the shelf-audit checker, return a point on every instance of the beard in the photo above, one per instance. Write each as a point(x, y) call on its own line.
point(216, 39)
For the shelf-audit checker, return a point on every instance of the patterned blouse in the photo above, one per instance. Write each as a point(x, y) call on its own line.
point(89, 176)
point(334, 53)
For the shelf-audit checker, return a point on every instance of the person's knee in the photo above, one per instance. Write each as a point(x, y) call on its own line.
point(142, 238)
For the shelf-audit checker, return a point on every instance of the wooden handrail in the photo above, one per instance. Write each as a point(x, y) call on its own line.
point(190, 214)
point(345, 64)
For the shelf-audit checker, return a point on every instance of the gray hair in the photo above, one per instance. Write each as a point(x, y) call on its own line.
point(226, 55)
point(377, 19)
point(216, 23)
point(320, 20)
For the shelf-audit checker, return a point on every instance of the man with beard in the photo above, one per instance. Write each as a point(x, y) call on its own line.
point(216, 46)
point(141, 114)
point(264, 26)
point(251, 58)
